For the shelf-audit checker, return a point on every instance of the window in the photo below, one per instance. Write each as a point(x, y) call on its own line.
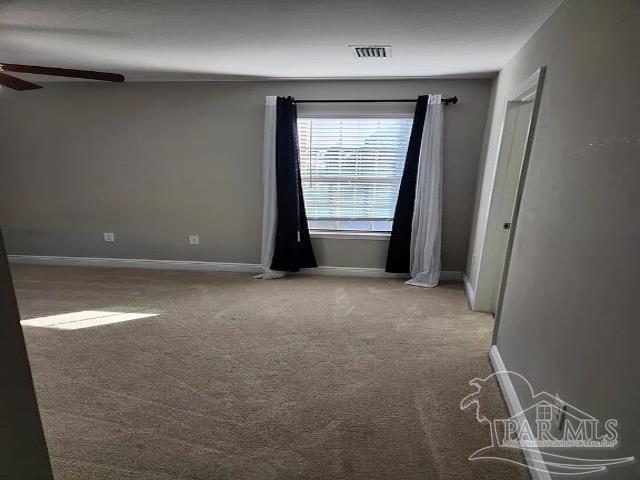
point(351, 170)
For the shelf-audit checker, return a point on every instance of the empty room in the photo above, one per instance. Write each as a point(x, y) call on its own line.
point(350, 240)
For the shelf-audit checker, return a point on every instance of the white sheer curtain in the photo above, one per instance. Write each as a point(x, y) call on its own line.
point(269, 198)
point(427, 209)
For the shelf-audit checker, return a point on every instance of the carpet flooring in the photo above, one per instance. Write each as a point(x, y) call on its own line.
point(298, 378)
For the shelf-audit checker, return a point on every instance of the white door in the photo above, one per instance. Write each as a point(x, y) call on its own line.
point(512, 150)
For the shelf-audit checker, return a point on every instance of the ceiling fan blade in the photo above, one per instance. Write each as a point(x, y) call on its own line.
point(16, 83)
point(62, 72)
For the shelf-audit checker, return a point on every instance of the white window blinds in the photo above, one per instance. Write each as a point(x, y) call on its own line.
point(351, 168)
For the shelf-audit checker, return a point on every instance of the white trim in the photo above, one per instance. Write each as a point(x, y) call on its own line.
point(208, 266)
point(526, 89)
point(531, 454)
point(351, 272)
point(468, 288)
point(451, 276)
point(447, 276)
point(136, 263)
point(348, 235)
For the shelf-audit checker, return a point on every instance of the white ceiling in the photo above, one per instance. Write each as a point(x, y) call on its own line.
point(243, 39)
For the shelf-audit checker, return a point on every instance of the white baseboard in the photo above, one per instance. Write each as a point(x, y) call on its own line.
point(208, 266)
point(136, 263)
point(351, 272)
point(451, 276)
point(471, 294)
point(371, 272)
point(531, 455)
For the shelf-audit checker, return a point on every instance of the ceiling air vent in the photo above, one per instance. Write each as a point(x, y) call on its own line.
point(371, 51)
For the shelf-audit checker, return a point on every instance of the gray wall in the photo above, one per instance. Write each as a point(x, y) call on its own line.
point(570, 318)
point(154, 162)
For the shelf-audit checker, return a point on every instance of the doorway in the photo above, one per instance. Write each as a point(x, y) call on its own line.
point(513, 153)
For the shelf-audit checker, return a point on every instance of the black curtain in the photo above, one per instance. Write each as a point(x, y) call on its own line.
point(399, 253)
point(293, 249)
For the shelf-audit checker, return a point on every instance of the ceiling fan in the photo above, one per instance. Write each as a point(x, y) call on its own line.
point(20, 84)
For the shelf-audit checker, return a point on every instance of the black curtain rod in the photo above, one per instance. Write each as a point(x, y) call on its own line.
point(446, 101)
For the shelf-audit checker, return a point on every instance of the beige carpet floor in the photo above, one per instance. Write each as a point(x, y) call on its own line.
point(298, 378)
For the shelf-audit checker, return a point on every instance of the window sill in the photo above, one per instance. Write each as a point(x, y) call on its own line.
point(347, 235)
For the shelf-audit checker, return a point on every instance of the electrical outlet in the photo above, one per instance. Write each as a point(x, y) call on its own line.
point(559, 412)
point(194, 239)
point(109, 237)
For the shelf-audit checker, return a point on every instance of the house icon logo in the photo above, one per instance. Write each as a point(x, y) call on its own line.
point(542, 428)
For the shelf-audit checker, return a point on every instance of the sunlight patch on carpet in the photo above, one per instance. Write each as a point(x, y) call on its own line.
point(83, 319)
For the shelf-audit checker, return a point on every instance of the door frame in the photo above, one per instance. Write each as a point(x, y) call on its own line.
point(23, 447)
point(531, 86)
